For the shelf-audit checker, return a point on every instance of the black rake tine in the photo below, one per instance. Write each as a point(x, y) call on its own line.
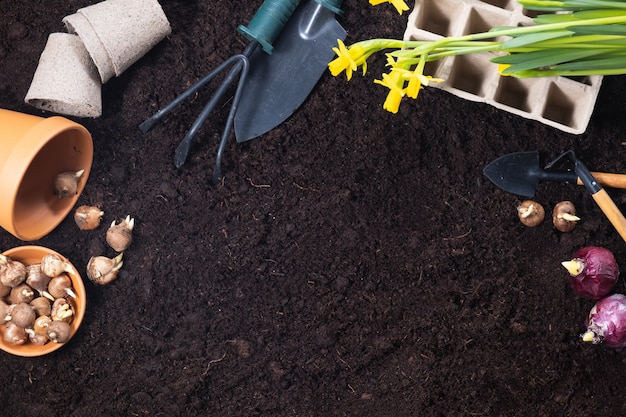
point(217, 171)
point(154, 119)
point(180, 158)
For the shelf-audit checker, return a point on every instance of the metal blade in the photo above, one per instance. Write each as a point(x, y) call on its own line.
point(279, 83)
point(520, 172)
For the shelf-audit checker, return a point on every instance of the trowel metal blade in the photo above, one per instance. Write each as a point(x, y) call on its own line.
point(278, 84)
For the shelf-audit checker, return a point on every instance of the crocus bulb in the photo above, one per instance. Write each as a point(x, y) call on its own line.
point(102, 270)
point(120, 236)
point(88, 217)
point(53, 265)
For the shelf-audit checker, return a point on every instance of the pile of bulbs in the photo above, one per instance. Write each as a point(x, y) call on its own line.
point(37, 301)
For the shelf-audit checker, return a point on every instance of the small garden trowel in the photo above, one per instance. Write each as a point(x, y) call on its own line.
point(278, 84)
point(520, 172)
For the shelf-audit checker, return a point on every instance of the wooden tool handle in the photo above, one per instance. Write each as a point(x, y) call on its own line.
point(608, 180)
point(611, 211)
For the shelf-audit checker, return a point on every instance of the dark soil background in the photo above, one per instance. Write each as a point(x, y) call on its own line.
point(353, 263)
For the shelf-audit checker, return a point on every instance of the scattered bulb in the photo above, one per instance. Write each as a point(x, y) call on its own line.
point(530, 213)
point(88, 217)
point(102, 270)
point(564, 216)
point(120, 236)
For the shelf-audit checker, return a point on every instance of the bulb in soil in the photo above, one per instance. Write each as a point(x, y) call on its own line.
point(564, 216)
point(88, 217)
point(606, 322)
point(102, 270)
point(530, 213)
point(120, 236)
point(593, 272)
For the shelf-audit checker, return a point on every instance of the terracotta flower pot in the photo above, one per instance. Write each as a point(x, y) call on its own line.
point(34, 151)
point(31, 255)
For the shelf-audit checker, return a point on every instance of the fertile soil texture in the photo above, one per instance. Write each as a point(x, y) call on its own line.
point(352, 263)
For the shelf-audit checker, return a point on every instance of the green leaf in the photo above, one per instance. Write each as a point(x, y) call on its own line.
point(593, 64)
point(545, 19)
point(540, 59)
point(527, 40)
point(598, 13)
point(599, 29)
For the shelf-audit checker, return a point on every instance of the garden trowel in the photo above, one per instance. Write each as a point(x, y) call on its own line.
point(278, 84)
point(520, 172)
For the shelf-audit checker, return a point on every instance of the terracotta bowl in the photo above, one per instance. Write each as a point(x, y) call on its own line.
point(30, 255)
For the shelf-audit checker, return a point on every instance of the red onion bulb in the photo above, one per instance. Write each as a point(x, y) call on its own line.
point(607, 322)
point(593, 272)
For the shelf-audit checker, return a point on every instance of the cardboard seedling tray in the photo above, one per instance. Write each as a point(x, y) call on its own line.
point(562, 102)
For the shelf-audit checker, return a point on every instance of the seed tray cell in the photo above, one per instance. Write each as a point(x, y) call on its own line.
point(561, 102)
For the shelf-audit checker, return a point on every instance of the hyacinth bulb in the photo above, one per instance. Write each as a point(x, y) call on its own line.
point(606, 322)
point(593, 272)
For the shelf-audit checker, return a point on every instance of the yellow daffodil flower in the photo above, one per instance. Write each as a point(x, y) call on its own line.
point(400, 5)
point(501, 68)
point(395, 83)
point(415, 78)
point(356, 55)
point(416, 81)
point(348, 59)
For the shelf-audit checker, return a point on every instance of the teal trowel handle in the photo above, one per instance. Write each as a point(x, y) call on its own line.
point(333, 5)
point(268, 22)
